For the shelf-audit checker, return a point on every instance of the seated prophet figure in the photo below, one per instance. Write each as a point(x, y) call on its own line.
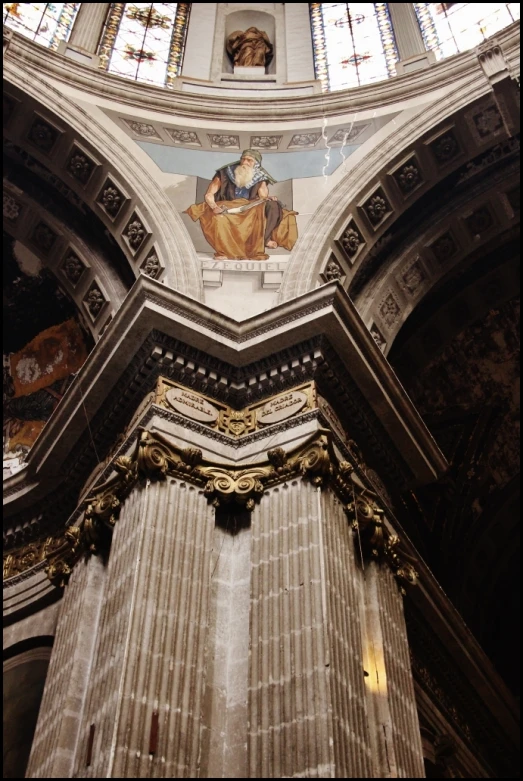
point(251, 48)
point(238, 217)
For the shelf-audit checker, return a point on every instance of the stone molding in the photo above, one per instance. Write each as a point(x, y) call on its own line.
point(155, 458)
point(442, 242)
point(195, 106)
point(148, 307)
point(108, 172)
point(403, 168)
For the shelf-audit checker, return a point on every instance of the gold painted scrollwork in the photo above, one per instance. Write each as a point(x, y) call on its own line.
point(375, 539)
point(157, 457)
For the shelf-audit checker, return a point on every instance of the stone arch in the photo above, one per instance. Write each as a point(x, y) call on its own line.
point(358, 218)
point(24, 674)
point(80, 152)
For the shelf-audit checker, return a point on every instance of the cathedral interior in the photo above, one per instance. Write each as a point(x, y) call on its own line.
point(261, 390)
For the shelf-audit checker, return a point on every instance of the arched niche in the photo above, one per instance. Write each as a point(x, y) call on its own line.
point(25, 671)
point(265, 16)
point(242, 20)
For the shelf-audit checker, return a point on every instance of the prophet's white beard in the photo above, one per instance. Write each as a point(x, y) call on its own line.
point(243, 175)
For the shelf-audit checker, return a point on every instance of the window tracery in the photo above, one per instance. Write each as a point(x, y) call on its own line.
point(44, 23)
point(353, 44)
point(449, 28)
point(145, 41)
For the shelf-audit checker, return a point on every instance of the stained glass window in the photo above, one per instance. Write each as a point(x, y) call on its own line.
point(45, 23)
point(353, 44)
point(449, 28)
point(145, 41)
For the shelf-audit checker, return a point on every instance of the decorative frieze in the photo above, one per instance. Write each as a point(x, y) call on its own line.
point(377, 207)
point(445, 248)
point(80, 166)
point(224, 141)
point(445, 148)
point(11, 208)
point(378, 337)
point(151, 266)
point(408, 176)
point(94, 300)
point(346, 135)
point(233, 422)
point(44, 238)
point(183, 137)
point(304, 140)
point(351, 240)
point(42, 134)
point(135, 233)
point(265, 142)
point(73, 268)
point(390, 310)
point(332, 271)
point(480, 221)
point(412, 277)
point(111, 198)
point(142, 129)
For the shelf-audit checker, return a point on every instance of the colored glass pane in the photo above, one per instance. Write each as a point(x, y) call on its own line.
point(449, 28)
point(353, 44)
point(145, 41)
point(45, 23)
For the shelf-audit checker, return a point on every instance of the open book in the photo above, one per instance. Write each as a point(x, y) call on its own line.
point(245, 207)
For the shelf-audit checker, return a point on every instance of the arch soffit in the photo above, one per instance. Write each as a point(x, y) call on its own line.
point(96, 167)
point(356, 220)
point(78, 266)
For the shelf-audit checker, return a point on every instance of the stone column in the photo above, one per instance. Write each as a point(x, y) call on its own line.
point(308, 712)
point(331, 691)
point(409, 40)
point(88, 26)
point(344, 587)
point(143, 717)
point(57, 729)
point(224, 737)
point(406, 735)
point(289, 693)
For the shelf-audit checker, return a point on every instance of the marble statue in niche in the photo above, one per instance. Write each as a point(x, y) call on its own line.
point(238, 217)
point(250, 49)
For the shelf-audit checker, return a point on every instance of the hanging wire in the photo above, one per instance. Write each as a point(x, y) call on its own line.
point(88, 424)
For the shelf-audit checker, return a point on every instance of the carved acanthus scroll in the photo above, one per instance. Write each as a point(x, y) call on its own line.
point(156, 457)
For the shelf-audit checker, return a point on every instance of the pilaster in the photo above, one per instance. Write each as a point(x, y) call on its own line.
point(86, 33)
point(290, 704)
point(57, 730)
point(411, 47)
point(144, 711)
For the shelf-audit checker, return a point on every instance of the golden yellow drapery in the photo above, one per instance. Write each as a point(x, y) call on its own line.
point(241, 236)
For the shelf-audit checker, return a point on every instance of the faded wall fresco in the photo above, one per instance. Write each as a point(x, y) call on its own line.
point(44, 346)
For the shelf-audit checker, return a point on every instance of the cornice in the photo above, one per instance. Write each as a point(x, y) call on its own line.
point(33, 58)
point(151, 307)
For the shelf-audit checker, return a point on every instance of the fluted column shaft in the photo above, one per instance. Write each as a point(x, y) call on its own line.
point(290, 701)
point(88, 26)
point(145, 703)
point(331, 691)
point(406, 734)
point(57, 731)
